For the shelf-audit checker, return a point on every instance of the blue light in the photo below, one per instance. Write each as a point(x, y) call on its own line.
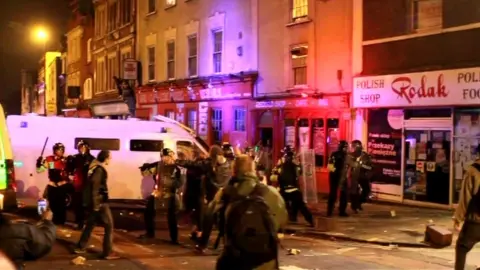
point(23, 124)
point(18, 164)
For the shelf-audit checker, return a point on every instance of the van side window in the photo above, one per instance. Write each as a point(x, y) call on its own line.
point(100, 143)
point(185, 148)
point(146, 145)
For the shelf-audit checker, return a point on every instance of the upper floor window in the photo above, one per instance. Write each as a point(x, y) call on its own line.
point(152, 6)
point(112, 16)
point(100, 21)
point(192, 56)
point(171, 59)
point(240, 114)
point(299, 64)
point(170, 3)
point(125, 11)
point(299, 9)
point(217, 51)
point(151, 63)
point(192, 119)
point(89, 50)
point(170, 114)
point(427, 15)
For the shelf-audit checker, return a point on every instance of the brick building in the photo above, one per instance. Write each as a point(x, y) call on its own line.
point(78, 66)
point(113, 42)
point(416, 94)
point(305, 67)
point(199, 63)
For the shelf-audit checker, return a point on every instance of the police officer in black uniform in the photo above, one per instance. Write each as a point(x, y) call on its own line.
point(287, 173)
point(338, 167)
point(360, 176)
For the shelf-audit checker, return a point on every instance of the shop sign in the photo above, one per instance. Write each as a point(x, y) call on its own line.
point(294, 103)
point(119, 108)
point(130, 69)
point(435, 88)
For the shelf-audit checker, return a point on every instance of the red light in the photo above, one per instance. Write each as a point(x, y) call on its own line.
point(304, 95)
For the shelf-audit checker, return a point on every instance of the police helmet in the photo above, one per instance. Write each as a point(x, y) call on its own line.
point(228, 150)
point(167, 152)
point(288, 151)
point(58, 146)
point(357, 145)
point(342, 145)
point(83, 143)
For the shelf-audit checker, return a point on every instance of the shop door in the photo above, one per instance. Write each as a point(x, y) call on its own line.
point(427, 165)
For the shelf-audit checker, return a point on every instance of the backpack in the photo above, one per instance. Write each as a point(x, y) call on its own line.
point(250, 227)
point(222, 174)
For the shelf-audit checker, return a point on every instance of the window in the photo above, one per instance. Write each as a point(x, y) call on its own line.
point(126, 55)
point(100, 21)
point(217, 51)
point(112, 70)
point(112, 16)
point(171, 59)
point(217, 126)
point(170, 3)
point(192, 56)
point(125, 12)
point(318, 141)
point(192, 119)
point(100, 76)
point(87, 89)
point(152, 6)
point(240, 115)
point(89, 50)
point(303, 135)
point(427, 15)
point(299, 9)
point(333, 134)
point(185, 149)
point(170, 114)
point(151, 63)
point(146, 145)
point(299, 64)
point(100, 143)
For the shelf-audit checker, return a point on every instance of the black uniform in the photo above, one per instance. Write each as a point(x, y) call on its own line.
point(360, 176)
point(288, 173)
point(338, 167)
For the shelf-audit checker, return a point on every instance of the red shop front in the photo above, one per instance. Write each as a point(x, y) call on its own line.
point(216, 108)
point(312, 123)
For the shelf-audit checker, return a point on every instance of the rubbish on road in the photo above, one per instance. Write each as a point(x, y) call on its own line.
point(343, 250)
point(430, 221)
point(393, 213)
point(91, 246)
point(384, 231)
point(281, 236)
point(184, 263)
point(79, 260)
point(293, 251)
point(438, 236)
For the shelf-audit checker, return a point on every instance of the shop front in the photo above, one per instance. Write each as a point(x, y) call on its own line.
point(422, 132)
point(308, 124)
point(216, 108)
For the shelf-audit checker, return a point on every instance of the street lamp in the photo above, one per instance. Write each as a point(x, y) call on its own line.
point(41, 35)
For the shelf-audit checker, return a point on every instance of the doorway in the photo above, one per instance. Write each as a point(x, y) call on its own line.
point(427, 155)
point(266, 136)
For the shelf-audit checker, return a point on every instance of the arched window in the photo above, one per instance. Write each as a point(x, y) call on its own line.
point(87, 89)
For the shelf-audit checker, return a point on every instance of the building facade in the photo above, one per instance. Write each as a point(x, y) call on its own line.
point(29, 79)
point(113, 42)
point(416, 94)
point(199, 65)
point(79, 63)
point(305, 66)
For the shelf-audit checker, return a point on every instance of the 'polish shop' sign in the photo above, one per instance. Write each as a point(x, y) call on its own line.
point(434, 88)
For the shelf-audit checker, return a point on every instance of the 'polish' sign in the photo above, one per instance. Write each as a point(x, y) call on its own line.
point(434, 88)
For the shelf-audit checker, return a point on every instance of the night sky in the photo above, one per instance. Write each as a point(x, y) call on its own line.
point(17, 49)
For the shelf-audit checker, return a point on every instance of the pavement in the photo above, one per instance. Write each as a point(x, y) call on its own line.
point(382, 224)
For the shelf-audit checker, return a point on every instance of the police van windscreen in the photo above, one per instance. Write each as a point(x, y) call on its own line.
point(100, 143)
point(202, 143)
point(146, 145)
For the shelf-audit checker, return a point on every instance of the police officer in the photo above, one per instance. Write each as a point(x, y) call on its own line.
point(169, 182)
point(338, 167)
point(287, 173)
point(360, 176)
point(58, 189)
point(78, 166)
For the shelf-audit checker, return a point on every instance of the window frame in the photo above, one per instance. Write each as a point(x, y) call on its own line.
point(112, 17)
point(217, 55)
point(415, 17)
point(125, 12)
point(151, 63)
point(299, 10)
point(155, 143)
point(191, 56)
point(240, 125)
point(94, 141)
point(190, 121)
point(217, 124)
point(171, 59)
point(302, 67)
point(151, 6)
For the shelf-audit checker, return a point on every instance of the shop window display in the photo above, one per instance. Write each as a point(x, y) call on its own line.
point(466, 138)
point(333, 138)
point(318, 140)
